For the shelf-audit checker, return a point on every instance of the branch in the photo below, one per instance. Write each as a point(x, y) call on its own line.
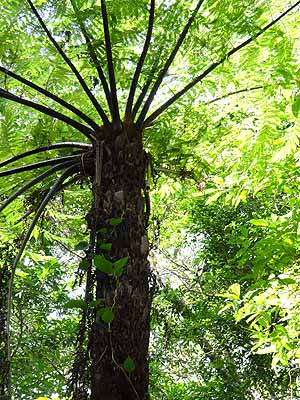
point(45, 148)
point(233, 93)
point(50, 95)
point(110, 65)
point(88, 132)
point(141, 61)
point(34, 181)
point(62, 187)
point(40, 164)
point(167, 64)
point(213, 66)
point(145, 89)
point(52, 192)
point(71, 65)
point(93, 56)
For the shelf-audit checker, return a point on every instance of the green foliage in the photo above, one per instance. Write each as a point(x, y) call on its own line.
point(102, 264)
point(119, 266)
point(107, 315)
point(84, 265)
point(76, 303)
point(106, 246)
point(198, 349)
point(129, 364)
point(44, 331)
point(81, 246)
point(115, 221)
point(269, 303)
point(111, 268)
point(225, 223)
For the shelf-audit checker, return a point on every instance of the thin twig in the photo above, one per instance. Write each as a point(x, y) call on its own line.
point(24, 216)
point(233, 93)
point(212, 67)
point(67, 248)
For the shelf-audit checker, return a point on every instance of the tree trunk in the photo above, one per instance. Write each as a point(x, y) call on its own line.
point(119, 218)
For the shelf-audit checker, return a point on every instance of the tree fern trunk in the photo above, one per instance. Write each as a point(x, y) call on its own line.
point(119, 348)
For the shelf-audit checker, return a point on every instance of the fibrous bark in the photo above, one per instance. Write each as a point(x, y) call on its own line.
point(120, 195)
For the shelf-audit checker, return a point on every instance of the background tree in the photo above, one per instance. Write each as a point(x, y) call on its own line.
point(199, 351)
point(112, 342)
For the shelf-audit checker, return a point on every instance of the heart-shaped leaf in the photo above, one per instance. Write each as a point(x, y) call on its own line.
point(129, 364)
point(118, 267)
point(115, 221)
point(107, 315)
point(102, 264)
